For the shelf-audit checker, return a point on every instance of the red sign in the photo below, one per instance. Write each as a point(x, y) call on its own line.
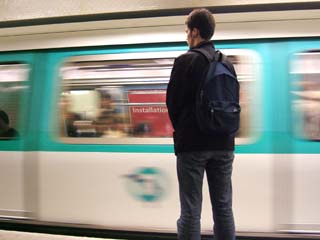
point(149, 114)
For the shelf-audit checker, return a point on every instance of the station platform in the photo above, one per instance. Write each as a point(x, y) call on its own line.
point(19, 235)
point(14, 235)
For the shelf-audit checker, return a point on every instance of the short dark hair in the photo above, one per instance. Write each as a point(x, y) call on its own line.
point(105, 95)
point(203, 20)
point(4, 117)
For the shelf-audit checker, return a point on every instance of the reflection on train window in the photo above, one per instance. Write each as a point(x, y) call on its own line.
point(306, 94)
point(123, 101)
point(13, 78)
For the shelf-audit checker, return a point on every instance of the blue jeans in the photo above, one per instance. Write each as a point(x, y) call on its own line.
point(190, 169)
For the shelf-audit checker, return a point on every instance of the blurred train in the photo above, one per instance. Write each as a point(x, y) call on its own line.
point(94, 143)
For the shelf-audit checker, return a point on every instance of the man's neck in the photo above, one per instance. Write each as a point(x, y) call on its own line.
point(199, 43)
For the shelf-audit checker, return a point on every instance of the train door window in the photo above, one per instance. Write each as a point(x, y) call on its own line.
point(306, 95)
point(120, 98)
point(13, 78)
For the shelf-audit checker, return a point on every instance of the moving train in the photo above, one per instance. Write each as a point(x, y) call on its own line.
point(94, 145)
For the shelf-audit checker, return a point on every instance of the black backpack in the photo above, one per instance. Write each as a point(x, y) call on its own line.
point(217, 100)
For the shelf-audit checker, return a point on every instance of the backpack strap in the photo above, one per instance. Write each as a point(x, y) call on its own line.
point(218, 56)
point(204, 53)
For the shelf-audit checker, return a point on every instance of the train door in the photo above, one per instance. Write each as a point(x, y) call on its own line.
point(304, 86)
point(15, 72)
point(106, 146)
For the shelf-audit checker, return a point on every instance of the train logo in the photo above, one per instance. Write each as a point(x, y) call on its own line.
point(147, 184)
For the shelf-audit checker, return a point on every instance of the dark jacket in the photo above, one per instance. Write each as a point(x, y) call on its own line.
point(187, 71)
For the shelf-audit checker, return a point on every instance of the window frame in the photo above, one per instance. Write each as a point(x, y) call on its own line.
point(19, 144)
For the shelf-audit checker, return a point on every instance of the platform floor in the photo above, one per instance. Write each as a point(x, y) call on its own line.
point(13, 235)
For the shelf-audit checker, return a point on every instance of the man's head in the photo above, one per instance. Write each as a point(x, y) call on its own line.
point(200, 26)
point(106, 100)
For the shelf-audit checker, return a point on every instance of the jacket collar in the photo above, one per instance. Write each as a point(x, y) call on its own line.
point(206, 48)
point(203, 44)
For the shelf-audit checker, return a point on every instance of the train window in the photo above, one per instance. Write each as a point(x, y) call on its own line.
point(246, 65)
point(120, 98)
point(12, 86)
point(306, 94)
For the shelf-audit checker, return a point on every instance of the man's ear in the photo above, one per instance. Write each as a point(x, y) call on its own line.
point(195, 33)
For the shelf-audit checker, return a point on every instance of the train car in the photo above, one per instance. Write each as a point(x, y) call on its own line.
point(93, 144)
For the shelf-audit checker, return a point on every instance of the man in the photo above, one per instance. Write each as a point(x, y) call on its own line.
point(68, 118)
point(196, 151)
point(109, 121)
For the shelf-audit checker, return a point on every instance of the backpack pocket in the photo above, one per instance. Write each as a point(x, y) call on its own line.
point(221, 117)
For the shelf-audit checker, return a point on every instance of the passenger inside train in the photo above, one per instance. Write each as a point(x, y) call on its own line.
point(110, 121)
point(68, 118)
point(6, 132)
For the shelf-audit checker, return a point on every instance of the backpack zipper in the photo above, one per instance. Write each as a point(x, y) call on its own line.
point(212, 113)
point(201, 96)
